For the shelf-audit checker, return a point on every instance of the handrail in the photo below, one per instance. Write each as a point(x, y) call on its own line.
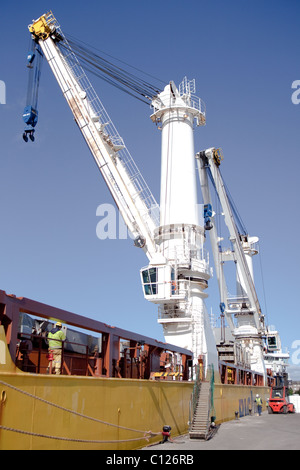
point(26, 350)
point(195, 395)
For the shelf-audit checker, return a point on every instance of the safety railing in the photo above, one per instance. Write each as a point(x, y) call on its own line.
point(195, 395)
point(33, 355)
point(207, 400)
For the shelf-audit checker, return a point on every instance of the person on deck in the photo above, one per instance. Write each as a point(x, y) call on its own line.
point(55, 342)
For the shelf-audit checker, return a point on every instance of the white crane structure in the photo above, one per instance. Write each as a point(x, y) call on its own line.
point(172, 238)
point(125, 182)
point(178, 269)
point(178, 278)
point(248, 328)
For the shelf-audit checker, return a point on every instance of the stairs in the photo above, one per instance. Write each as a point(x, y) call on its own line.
point(200, 423)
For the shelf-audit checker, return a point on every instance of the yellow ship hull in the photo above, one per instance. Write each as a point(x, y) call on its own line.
point(72, 412)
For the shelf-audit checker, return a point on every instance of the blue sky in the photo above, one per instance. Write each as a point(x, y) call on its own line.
point(244, 56)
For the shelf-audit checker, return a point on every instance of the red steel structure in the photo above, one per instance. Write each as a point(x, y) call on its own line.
point(139, 357)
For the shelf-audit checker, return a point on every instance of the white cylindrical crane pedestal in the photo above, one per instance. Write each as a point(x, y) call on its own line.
point(180, 237)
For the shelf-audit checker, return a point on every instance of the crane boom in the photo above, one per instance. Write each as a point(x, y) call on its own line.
point(127, 186)
point(209, 164)
point(245, 307)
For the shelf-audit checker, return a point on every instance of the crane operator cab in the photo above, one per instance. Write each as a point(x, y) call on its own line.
point(160, 283)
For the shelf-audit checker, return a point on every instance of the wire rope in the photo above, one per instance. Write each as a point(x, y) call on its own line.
point(81, 415)
point(115, 58)
point(240, 225)
point(110, 72)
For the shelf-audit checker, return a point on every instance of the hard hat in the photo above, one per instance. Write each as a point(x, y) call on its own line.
point(58, 323)
point(257, 395)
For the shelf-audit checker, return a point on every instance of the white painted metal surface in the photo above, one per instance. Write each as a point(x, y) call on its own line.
point(249, 328)
point(136, 210)
point(180, 237)
point(177, 275)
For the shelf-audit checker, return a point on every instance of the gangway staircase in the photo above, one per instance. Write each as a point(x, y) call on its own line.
point(200, 422)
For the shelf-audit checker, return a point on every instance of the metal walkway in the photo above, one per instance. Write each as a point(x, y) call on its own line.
point(200, 424)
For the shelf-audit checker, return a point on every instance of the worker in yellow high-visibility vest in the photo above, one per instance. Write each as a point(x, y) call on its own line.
point(258, 401)
point(55, 339)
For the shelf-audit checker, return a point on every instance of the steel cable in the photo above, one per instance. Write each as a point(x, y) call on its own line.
point(111, 73)
point(149, 433)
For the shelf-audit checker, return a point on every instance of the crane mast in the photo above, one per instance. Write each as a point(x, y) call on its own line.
point(250, 329)
point(178, 283)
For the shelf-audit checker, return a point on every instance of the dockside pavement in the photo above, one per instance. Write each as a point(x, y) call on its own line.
point(265, 432)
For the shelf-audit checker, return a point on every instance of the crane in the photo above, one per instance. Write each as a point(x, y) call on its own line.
point(249, 329)
point(126, 184)
point(178, 270)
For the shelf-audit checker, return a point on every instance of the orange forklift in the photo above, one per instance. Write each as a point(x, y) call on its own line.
point(279, 400)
